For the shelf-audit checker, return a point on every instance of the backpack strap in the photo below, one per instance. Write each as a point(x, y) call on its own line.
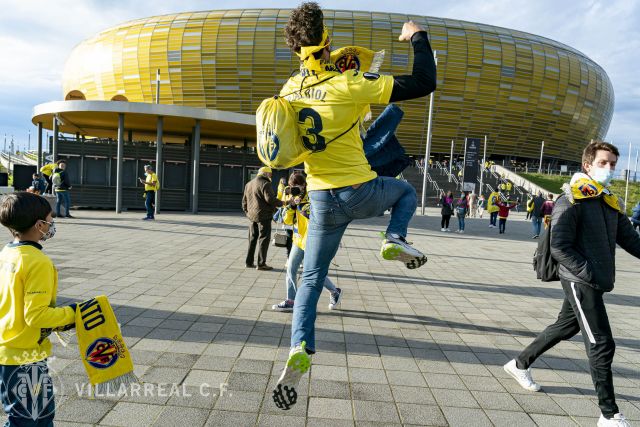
point(306, 87)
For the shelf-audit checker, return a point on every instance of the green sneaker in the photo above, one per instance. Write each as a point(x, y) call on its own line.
point(397, 248)
point(299, 362)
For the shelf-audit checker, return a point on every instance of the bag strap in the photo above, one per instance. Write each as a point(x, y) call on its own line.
point(306, 87)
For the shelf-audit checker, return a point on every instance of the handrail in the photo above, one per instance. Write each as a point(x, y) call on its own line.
point(519, 181)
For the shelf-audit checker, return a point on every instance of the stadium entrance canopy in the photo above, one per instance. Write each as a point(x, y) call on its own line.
point(143, 121)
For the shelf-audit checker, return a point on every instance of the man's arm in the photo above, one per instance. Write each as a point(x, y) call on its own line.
point(244, 200)
point(270, 196)
point(422, 80)
point(564, 228)
point(627, 237)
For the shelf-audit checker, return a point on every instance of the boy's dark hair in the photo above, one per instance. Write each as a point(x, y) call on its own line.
point(61, 162)
point(589, 153)
point(305, 26)
point(20, 211)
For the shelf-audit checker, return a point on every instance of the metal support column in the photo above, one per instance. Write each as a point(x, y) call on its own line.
point(55, 140)
point(196, 168)
point(39, 146)
point(119, 161)
point(159, 168)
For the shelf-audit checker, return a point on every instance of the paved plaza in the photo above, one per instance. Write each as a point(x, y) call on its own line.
point(409, 347)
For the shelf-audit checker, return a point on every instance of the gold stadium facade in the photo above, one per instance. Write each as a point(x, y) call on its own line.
point(216, 67)
point(516, 88)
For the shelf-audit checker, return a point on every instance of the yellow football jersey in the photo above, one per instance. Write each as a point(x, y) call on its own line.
point(329, 109)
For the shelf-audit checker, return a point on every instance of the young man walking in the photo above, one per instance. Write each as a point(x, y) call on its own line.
point(587, 222)
point(342, 186)
point(536, 215)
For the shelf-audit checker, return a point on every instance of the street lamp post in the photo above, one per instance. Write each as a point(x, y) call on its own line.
point(541, 154)
point(428, 147)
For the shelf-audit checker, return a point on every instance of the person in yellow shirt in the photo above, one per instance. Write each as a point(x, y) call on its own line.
point(342, 187)
point(151, 185)
point(493, 208)
point(28, 312)
point(47, 171)
point(296, 214)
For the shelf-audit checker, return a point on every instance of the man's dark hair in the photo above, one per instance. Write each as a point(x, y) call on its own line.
point(589, 153)
point(61, 162)
point(305, 26)
point(20, 211)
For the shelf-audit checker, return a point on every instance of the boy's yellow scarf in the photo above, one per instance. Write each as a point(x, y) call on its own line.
point(102, 348)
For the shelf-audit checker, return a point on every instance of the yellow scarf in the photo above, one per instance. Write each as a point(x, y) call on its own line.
point(586, 188)
point(306, 53)
point(357, 58)
point(102, 348)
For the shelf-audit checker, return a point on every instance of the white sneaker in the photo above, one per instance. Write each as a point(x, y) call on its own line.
point(395, 247)
point(443, 229)
point(298, 363)
point(523, 376)
point(618, 420)
point(448, 230)
point(461, 231)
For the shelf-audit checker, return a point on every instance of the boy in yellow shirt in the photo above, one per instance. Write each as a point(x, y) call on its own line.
point(28, 312)
point(342, 186)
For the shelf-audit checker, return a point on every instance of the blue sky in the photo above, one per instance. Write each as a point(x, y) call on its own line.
point(37, 36)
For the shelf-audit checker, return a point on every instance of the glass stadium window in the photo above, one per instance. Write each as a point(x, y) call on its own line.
point(209, 179)
point(129, 172)
point(508, 71)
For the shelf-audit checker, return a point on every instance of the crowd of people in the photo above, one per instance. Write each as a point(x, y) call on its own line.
point(587, 222)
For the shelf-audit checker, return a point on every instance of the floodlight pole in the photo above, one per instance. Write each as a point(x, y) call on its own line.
point(626, 190)
point(635, 169)
point(541, 153)
point(451, 160)
point(157, 89)
point(428, 147)
point(484, 159)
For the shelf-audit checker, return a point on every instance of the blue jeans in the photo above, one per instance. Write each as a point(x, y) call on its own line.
point(331, 212)
point(493, 217)
point(24, 406)
point(63, 197)
point(460, 222)
point(503, 225)
point(537, 224)
point(295, 258)
point(149, 200)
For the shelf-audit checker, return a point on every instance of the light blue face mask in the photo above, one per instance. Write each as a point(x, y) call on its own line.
point(602, 176)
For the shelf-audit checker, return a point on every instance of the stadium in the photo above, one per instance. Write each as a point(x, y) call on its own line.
point(215, 67)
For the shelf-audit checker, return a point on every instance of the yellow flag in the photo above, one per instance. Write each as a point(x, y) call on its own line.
point(102, 349)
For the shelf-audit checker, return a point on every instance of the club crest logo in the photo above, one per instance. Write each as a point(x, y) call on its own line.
point(103, 353)
point(348, 61)
point(588, 189)
point(269, 145)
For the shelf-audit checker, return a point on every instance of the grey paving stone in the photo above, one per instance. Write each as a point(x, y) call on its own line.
point(204, 396)
point(465, 417)
point(361, 375)
point(330, 408)
point(269, 420)
point(538, 403)
point(374, 392)
point(376, 411)
point(132, 414)
point(236, 400)
point(421, 395)
point(166, 375)
point(178, 360)
point(553, 420)
point(509, 418)
point(454, 398)
point(179, 416)
point(253, 366)
point(332, 389)
point(493, 400)
point(421, 414)
point(82, 410)
point(247, 382)
point(231, 419)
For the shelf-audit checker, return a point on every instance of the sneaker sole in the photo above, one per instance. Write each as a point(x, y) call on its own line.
point(282, 310)
point(284, 393)
point(516, 378)
point(393, 252)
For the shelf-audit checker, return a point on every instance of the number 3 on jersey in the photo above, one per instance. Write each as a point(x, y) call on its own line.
point(311, 121)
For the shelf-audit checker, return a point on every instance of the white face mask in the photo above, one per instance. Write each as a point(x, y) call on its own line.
point(49, 234)
point(602, 176)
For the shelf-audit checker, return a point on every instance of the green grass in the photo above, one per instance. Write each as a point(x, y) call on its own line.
point(553, 183)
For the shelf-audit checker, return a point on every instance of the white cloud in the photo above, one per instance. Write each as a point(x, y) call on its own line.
point(37, 36)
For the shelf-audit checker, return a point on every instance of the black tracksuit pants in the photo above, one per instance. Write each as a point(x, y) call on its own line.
point(259, 232)
point(582, 310)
